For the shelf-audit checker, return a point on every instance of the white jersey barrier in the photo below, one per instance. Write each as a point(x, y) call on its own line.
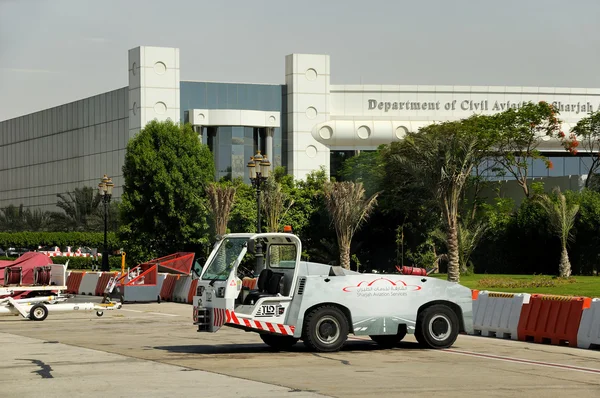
point(497, 314)
point(182, 289)
point(588, 335)
point(89, 283)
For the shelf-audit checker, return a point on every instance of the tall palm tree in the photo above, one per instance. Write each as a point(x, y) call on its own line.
point(348, 208)
point(469, 235)
point(442, 157)
point(561, 216)
point(220, 199)
point(275, 204)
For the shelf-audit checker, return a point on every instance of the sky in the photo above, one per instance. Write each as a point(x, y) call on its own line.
point(57, 51)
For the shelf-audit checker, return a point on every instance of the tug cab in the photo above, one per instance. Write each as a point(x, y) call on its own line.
point(234, 282)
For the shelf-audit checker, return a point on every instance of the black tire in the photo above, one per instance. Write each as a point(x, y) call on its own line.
point(38, 312)
point(437, 327)
point(321, 325)
point(279, 343)
point(99, 313)
point(389, 340)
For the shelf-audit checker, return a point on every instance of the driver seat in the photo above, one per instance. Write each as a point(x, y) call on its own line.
point(269, 284)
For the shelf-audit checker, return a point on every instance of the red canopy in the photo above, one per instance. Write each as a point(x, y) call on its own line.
point(27, 262)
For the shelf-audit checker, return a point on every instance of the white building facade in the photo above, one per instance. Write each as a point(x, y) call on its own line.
point(300, 124)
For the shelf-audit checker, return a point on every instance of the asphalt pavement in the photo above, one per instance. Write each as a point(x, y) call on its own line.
point(153, 350)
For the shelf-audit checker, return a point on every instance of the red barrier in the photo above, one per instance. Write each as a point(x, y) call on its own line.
point(103, 282)
point(553, 319)
point(168, 286)
point(73, 282)
point(192, 292)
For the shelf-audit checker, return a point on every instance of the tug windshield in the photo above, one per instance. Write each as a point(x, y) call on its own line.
point(222, 263)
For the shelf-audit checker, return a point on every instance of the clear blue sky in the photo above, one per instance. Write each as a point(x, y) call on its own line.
point(57, 51)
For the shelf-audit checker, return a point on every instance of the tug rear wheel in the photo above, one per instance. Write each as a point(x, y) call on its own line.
point(325, 329)
point(280, 343)
point(38, 312)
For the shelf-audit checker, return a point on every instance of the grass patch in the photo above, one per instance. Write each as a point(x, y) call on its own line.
point(587, 286)
point(495, 282)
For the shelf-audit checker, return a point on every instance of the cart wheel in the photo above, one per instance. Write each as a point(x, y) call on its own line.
point(99, 313)
point(437, 327)
point(38, 312)
point(158, 299)
point(325, 329)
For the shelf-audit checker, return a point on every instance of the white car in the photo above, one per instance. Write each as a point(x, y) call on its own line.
point(321, 304)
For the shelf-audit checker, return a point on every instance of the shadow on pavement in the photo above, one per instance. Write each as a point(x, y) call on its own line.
point(351, 345)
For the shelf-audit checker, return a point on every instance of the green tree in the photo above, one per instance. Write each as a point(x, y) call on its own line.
point(587, 134)
point(441, 157)
point(347, 209)
point(519, 134)
point(163, 209)
point(561, 216)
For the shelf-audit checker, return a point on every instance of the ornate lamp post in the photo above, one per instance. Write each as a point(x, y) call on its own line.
point(259, 168)
point(105, 190)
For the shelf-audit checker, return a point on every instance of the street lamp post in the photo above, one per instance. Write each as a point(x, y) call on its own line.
point(105, 190)
point(259, 168)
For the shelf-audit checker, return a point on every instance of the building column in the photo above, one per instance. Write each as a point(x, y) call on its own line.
point(269, 131)
point(198, 130)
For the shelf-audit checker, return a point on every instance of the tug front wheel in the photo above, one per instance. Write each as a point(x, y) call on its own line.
point(279, 343)
point(325, 329)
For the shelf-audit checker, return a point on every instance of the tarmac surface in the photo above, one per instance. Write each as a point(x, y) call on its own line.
point(153, 350)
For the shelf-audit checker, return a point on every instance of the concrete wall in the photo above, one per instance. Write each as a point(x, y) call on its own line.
point(58, 149)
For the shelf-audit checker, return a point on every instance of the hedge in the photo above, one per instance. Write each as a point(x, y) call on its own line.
point(32, 240)
point(78, 263)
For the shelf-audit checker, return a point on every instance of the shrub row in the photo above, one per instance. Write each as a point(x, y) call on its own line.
point(82, 263)
point(32, 240)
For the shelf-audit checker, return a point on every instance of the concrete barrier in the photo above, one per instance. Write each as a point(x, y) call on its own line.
point(89, 283)
point(182, 289)
point(74, 282)
point(497, 314)
point(588, 335)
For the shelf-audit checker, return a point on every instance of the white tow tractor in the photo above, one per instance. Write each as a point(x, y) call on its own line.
point(321, 304)
point(45, 298)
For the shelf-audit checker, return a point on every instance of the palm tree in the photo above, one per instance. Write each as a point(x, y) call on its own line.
point(469, 236)
point(36, 220)
point(12, 218)
point(441, 157)
point(348, 208)
point(561, 216)
point(274, 204)
point(220, 199)
point(79, 207)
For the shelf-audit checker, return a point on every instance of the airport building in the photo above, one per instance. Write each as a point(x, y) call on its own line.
point(304, 123)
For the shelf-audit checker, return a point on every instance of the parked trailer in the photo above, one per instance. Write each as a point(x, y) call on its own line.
point(37, 308)
point(39, 303)
point(294, 300)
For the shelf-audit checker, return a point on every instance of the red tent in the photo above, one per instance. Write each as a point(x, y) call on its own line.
point(27, 262)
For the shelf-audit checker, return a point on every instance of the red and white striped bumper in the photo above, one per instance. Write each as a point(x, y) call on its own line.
point(223, 316)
